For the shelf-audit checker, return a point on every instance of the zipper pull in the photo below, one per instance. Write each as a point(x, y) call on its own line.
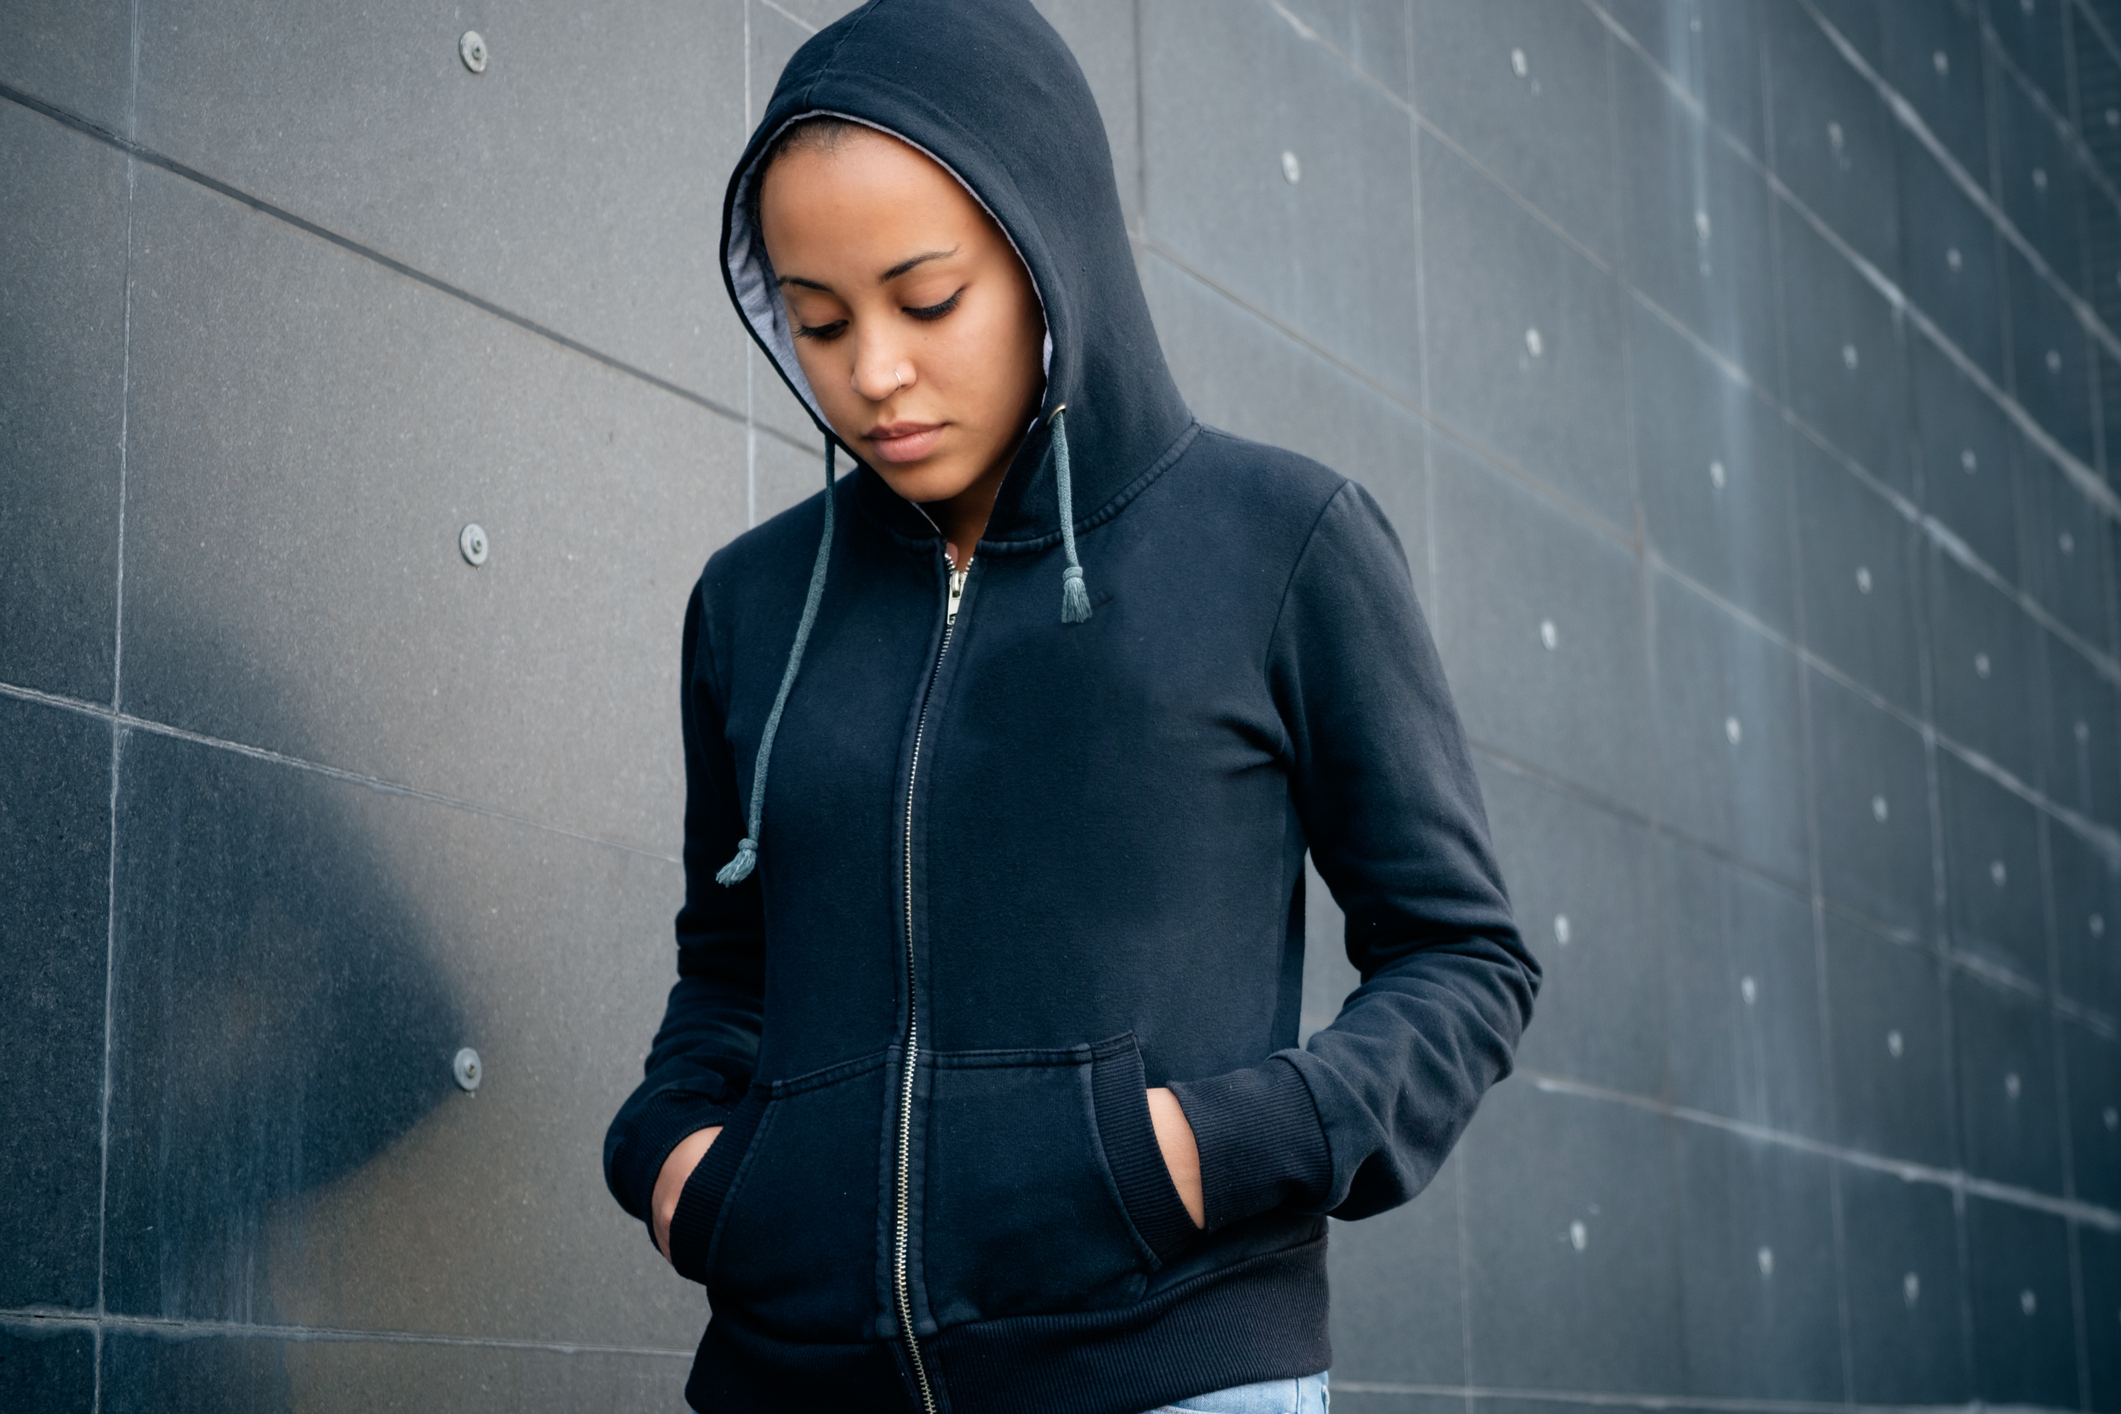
point(957, 590)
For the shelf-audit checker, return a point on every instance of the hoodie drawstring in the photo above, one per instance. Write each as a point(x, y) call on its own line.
point(747, 850)
point(1075, 597)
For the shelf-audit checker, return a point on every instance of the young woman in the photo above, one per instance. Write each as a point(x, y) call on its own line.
point(978, 1089)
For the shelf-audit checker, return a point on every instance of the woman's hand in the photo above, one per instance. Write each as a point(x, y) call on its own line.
point(670, 1183)
point(1174, 1136)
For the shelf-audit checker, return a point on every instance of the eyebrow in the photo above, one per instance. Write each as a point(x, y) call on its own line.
point(884, 279)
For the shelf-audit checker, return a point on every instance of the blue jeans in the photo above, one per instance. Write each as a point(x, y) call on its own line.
point(1305, 1396)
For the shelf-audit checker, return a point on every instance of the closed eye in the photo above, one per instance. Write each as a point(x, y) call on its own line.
point(935, 311)
point(823, 333)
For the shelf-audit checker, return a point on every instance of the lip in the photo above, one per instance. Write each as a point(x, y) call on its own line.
point(904, 441)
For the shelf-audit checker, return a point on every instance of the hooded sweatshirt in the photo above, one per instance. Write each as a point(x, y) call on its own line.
point(1016, 865)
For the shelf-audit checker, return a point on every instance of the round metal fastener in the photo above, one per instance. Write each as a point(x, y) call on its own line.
point(467, 1069)
point(1292, 171)
point(471, 48)
point(471, 540)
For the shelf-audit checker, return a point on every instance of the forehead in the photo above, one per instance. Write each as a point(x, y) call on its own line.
point(861, 192)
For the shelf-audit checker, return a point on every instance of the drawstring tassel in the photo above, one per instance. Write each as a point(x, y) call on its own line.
point(747, 851)
point(1075, 596)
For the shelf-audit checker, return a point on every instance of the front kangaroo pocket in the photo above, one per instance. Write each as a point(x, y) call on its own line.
point(796, 1255)
point(1020, 1211)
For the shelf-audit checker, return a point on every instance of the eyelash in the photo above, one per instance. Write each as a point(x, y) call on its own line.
point(827, 332)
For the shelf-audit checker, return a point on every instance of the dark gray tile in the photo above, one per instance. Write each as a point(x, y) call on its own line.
point(1222, 354)
point(1846, 370)
point(1892, 1066)
point(2082, 767)
point(1948, 260)
point(2037, 179)
point(152, 1372)
point(2087, 889)
point(298, 480)
point(1984, 666)
point(47, 1367)
point(1328, 975)
point(298, 960)
point(1969, 481)
point(1391, 1401)
point(2098, 95)
point(1371, 33)
point(1861, 576)
point(1732, 71)
point(1513, 572)
point(1730, 734)
point(1398, 1304)
point(1992, 871)
point(1757, 1254)
point(2031, 34)
point(549, 184)
point(1742, 974)
point(1583, 892)
point(62, 371)
point(2066, 567)
point(1524, 88)
point(2009, 1114)
point(1530, 326)
point(1668, 33)
point(73, 54)
point(2099, 1258)
point(1569, 1228)
point(1331, 255)
point(1713, 468)
point(1872, 783)
point(2092, 1065)
point(54, 938)
point(2019, 1290)
point(1947, 92)
point(2050, 358)
point(1904, 1291)
point(1833, 138)
point(1694, 221)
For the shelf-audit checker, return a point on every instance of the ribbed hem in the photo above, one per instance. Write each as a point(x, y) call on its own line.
point(700, 1204)
point(1128, 1134)
point(659, 1126)
point(1262, 1318)
point(1260, 1140)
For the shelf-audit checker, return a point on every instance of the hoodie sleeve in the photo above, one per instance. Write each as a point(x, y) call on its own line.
point(1359, 1120)
point(703, 1056)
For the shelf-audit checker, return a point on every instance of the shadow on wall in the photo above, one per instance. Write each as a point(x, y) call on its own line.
point(279, 1020)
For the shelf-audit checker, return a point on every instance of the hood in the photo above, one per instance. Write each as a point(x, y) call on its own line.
point(992, 93)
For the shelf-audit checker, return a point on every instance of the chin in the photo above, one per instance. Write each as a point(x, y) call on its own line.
point(923, 482)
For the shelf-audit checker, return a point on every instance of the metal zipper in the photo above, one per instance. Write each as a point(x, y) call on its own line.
point(902, 1286)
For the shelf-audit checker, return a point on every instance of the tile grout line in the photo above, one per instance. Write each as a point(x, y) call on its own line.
point(126, 722)
point(117, 734)
point(186, 1328)
point(2075, 1210)
point(152, 158)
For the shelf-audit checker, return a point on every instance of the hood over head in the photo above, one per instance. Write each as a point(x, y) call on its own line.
point(992, 93)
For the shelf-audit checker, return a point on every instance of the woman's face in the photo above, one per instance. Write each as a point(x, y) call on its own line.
point(914, 321)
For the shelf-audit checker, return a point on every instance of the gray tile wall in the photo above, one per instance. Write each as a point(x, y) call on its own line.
point(1744, 380)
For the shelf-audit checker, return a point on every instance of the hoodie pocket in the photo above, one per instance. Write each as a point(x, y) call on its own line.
point(1045, 1190)
point(796, 1252)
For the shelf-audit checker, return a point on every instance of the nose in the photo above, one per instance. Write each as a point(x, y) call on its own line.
point(880, 369)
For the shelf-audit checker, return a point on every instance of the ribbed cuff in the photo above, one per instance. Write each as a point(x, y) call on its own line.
point(1128, 1133)
point(1261, 1144)
point(699, 1206)
point(660, 1126)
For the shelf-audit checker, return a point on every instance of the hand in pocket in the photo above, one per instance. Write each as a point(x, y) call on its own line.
point(670, 1183)
point(1174, 1135)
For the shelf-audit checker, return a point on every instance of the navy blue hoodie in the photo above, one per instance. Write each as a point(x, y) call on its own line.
point(1014, 870)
